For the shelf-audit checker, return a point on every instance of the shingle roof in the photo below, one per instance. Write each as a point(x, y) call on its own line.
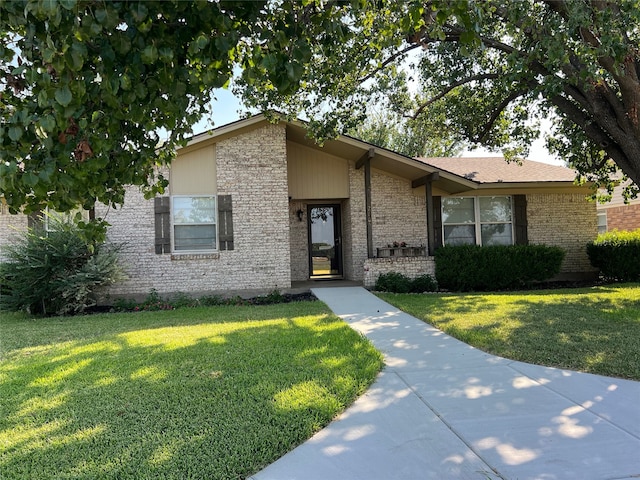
point(496, 169)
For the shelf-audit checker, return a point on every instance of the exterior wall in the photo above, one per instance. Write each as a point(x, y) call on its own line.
point(10, 225)
point(354, 226)
point(252, 168)
point(299, 242)
point(412, 267)
point(568, 221)
point(625, 217)
point(398, 212)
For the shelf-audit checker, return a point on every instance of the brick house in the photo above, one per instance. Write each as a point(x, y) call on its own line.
point(617, 215)
point(257, 206)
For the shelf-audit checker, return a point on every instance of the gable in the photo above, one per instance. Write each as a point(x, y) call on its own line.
point(314, 174)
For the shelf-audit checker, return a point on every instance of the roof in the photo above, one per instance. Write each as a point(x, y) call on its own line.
point(498, 170)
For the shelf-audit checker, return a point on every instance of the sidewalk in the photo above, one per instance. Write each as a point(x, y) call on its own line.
point(444, 410)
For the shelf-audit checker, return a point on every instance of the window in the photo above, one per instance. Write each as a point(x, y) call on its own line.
point(194, 223)
point(477, 220)
point(602, 221)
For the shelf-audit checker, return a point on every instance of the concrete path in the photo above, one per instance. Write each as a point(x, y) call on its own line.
point(444, 410)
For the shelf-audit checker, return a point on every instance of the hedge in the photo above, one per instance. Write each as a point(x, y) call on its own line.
point(617, 255)
point(473, 267)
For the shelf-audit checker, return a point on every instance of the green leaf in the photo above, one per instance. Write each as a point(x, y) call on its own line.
point(30, 178)
point(68, 4)
point(149, 54)
point(15, 133)
point(139, 12)
point(63, 96)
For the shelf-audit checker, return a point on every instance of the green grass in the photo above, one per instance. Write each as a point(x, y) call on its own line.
point(594, 330)
point(216, 392)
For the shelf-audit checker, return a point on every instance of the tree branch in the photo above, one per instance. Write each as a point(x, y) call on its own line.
point(473, 78)
point(389, 60)
point(496, 113)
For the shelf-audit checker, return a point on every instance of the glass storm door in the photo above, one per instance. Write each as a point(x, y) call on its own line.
point(325, 252)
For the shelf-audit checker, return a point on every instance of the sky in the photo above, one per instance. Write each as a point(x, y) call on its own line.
point(227, 108)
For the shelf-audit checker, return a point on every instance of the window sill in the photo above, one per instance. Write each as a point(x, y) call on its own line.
point(195, 256)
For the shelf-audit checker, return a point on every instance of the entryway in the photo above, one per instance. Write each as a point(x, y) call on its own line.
point(325, 241)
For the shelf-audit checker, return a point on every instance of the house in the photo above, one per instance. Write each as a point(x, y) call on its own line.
point(617, 215)
point(255, 205)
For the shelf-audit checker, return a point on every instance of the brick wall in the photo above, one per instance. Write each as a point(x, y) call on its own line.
point(398, 212)
point(568, 221)
point(412, 267)
point(251, 167)
point(299, 242)
point(623, 218)
point(10, 225)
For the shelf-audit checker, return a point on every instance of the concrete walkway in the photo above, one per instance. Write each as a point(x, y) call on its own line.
point(444, 410)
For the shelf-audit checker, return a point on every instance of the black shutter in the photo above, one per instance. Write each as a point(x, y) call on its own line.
point(520, 219)
point(225, 222)
point(437, 221)
point(162, 210)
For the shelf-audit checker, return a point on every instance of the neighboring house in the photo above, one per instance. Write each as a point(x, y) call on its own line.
point(616, 215)
point(256, 206)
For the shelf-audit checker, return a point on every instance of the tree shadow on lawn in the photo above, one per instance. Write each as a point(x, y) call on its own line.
point(171, 403)
point(577, 330)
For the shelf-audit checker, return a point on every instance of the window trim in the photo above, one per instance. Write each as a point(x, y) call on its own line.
point(477, 223)
point(172, 211)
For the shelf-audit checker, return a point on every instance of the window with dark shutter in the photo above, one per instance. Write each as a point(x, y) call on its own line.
point(162, 212)
point(520, 219)
point(225, 222)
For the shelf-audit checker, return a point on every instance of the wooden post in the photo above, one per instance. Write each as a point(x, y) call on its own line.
point(427, 181)
point(365, 161)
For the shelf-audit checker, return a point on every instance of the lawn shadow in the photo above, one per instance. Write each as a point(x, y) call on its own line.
point(175, 400)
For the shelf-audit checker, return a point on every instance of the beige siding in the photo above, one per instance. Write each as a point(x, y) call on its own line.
point(194, 173)
point(314, 174)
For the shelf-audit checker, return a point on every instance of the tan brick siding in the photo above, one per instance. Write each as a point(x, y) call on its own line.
point(623, 218)
point(10, 225)
point(398, 212)
point(412, 267)
point(252, 169)
point(568, 221)
point(299, 242)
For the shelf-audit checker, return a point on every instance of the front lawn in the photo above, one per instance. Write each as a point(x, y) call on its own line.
point(216, 392)
point(594, 330)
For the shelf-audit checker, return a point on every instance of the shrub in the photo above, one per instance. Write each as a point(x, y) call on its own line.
point(393, 282)
point(424, 283)
point(617, 255)
point(472, 267)
point(56, 272)
point(398, 283)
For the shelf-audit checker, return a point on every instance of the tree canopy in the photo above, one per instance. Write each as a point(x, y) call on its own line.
point(87, 86)
point(89, 89)
point(495, 68)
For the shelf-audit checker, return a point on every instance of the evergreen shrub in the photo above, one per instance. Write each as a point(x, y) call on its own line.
point(396, 282)
point(56, 272)
point(617, 255)
point(499, 267)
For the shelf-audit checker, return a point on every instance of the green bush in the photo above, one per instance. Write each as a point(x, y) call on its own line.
point(398, 283)
point(56, 272)
point(617, 255)
point(472, 267)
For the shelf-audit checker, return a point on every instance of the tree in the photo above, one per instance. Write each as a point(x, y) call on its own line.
point(426, 136)
point(87, 87)
point(495, 67)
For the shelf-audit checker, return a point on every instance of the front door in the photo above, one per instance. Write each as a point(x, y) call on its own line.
point(325, 242)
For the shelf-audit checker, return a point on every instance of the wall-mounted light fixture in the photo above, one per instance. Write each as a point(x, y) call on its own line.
point(300, 213)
